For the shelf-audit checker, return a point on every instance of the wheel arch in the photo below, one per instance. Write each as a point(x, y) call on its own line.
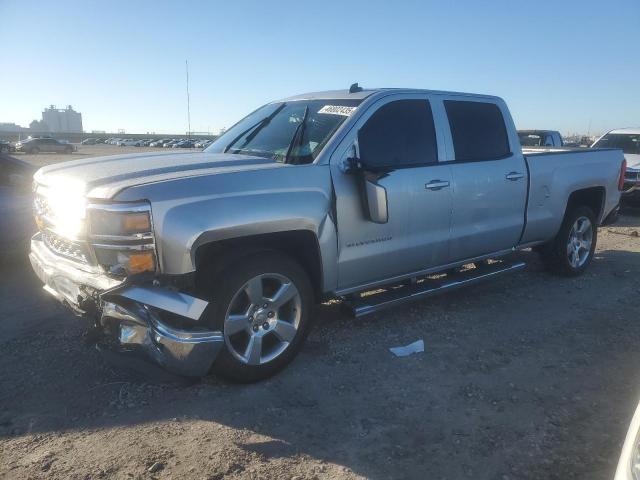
point(592, 197)
point(301, 245)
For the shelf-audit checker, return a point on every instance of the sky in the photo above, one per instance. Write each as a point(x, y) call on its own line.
point(570, 65)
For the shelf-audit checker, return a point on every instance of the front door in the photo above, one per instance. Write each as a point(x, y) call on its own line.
point(397, 143)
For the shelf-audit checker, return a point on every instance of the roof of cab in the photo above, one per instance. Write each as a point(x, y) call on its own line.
point(367, 92)
point(628, 131)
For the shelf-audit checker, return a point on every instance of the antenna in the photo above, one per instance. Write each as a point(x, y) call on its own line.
point(186, 63)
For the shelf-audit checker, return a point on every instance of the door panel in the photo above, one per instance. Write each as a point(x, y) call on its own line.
point(430, 217)
point(489, 180)
point(488, 208)
point(417, 232)
point(369, 251)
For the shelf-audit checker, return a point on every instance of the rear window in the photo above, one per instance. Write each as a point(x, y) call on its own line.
point(530, 139)
point(629, 143)
point(478, 130)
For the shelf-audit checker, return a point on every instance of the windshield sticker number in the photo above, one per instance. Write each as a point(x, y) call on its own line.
point(337, 110)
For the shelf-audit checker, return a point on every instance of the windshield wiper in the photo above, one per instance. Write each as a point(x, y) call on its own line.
point(258, 126)
point(297, 135)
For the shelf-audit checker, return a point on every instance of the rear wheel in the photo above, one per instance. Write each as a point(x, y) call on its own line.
point(262, 305)
point(571, 251)
point(68, 150)
point(34, 150)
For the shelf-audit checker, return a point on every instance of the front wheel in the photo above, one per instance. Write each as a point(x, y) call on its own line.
point(262, 306)
point(571, 251)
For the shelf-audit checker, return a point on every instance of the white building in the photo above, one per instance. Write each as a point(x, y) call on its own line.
point(62, 120)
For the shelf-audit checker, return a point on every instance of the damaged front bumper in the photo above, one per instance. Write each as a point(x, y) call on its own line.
point(132, 317)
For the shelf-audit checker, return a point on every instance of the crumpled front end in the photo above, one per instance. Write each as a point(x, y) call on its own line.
point(132, 319)
point(100, 260)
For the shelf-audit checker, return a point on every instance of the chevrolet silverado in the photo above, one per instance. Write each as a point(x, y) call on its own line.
point(213, 260)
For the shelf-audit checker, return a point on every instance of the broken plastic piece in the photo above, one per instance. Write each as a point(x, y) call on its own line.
point(415, 347)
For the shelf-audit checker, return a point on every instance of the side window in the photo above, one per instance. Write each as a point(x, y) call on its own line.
point(478, 130)
point(400, 133)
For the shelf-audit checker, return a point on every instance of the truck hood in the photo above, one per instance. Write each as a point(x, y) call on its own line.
point(104, 177)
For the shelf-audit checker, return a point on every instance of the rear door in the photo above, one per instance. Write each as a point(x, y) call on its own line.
point(489, 178)
point(397, 133)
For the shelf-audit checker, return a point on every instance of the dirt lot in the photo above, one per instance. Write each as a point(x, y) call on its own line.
point(85, 151)
point(527, 377)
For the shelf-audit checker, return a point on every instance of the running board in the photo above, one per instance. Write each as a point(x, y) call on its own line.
point(359, 306)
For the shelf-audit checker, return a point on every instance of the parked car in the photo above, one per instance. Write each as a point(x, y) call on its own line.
point(184, 144)
point(6, 147)
point(159, 143)
point(213, 260)
point(37, 145)
point(130, 142)
point(88, 141)
point(629, 463)
point(628, 140)
point(171, 143)
point(540, 138)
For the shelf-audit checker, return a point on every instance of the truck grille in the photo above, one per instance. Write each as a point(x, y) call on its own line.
point(632, 176)
point(64, 247)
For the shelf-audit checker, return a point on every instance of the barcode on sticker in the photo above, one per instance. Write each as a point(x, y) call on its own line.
point(337, 110)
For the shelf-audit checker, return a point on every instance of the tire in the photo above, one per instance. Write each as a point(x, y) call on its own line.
point(34, 150)
point(261, 334)
point(68, 150)
point(571, 251)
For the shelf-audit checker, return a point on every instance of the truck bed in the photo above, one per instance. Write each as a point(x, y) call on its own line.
point(554, 173)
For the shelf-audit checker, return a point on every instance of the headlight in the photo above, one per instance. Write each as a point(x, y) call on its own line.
point(122, 237)
point(62, 206)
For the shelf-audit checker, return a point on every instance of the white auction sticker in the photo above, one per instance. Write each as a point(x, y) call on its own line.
point(337, 110)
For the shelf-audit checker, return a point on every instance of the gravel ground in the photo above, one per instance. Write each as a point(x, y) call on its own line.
point(85, 151)
point(529, 376)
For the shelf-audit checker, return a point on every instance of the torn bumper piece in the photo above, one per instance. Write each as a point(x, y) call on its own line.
point(139, 328)
point(132, 313)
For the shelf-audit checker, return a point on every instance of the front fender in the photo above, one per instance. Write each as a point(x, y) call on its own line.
point(191, 212)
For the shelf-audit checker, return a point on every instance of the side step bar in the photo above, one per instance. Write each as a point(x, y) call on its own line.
point(359, 306)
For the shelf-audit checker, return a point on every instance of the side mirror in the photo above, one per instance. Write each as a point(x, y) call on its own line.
point(372, 194)
point(374, 198)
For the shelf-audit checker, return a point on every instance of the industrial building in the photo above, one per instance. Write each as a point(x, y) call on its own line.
point(65, 120)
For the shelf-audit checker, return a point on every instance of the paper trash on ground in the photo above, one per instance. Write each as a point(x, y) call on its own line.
point(415, 347)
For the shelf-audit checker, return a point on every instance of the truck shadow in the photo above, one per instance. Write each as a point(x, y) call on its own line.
point(468, 402)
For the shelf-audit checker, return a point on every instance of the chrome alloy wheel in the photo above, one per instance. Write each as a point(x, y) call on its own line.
point(579, 242)
point(262, 319)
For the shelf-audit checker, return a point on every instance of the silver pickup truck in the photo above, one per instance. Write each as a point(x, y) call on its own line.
point(213, 260)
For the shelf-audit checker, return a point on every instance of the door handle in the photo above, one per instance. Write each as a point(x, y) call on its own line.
point(513, 176)
point(436, 185)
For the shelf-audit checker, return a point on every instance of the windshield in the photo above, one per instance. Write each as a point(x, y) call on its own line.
point(629, 143)
point(292, 132)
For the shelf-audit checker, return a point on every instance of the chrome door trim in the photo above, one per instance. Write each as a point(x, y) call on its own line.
point(436, 184)
point(513, 176)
